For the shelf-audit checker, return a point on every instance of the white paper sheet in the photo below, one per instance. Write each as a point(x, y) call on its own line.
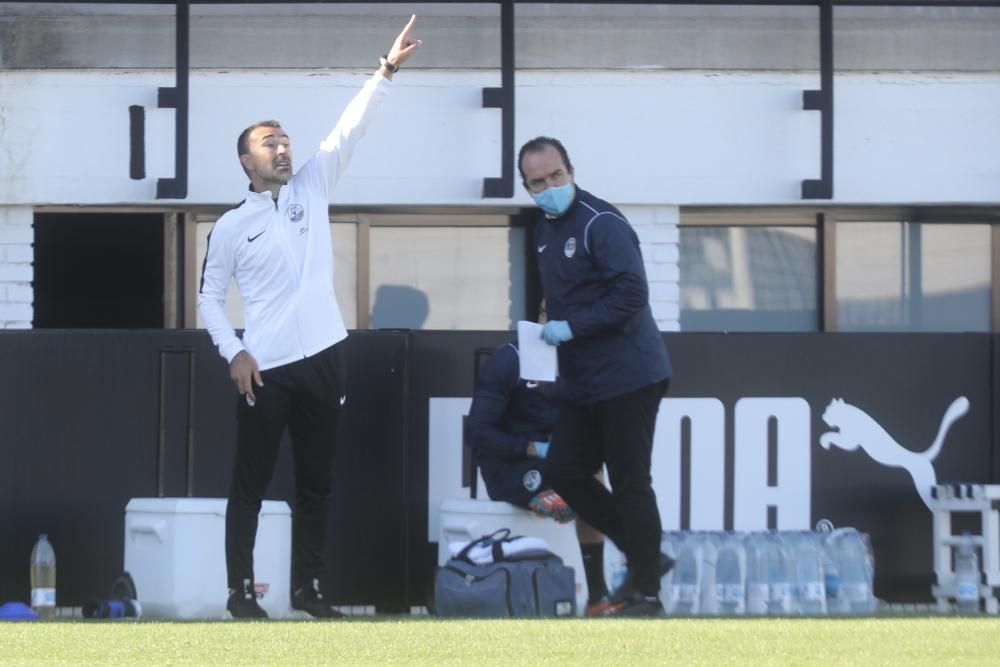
point(538, 359)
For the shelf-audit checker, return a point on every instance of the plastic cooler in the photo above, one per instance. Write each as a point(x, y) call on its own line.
point(175, 552)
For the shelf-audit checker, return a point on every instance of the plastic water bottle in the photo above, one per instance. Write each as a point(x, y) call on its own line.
point(780, 574)
point(757, 589)
point(810, 585)
point(43, 578)
point(709, 604)
point(831, 567)
point(856, 571)
point(831, 574)
point(967, 576)
point(670, 544)
point(730, 569)
point(686, 593)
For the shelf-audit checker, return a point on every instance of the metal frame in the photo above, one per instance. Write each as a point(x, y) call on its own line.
point(822, 100)
point(502, 98)
point(161, 423)
point(177, 98)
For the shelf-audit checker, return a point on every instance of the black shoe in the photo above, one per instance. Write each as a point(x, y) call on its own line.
point(310, 600)
point(637, 605)
point(242, 603)
point(664, 564)
point(627, 589)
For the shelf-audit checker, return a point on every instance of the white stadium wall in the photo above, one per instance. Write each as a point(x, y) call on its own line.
point(635, 137)
point(648, 141)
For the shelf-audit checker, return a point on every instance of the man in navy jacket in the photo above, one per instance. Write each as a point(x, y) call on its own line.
point(612, 362)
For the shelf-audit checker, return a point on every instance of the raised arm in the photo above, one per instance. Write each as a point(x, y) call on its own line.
point(338, 147)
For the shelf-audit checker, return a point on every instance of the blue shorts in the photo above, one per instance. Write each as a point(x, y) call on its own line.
point(515, 482)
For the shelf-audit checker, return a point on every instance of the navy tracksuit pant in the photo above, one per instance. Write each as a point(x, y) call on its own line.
point(616, 432)
point(306, 397)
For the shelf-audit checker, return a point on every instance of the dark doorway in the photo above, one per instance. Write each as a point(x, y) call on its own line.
point(98, 271)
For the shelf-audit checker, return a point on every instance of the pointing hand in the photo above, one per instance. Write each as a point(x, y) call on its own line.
point(403, 47)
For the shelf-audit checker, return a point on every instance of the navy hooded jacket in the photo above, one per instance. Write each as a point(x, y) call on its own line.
point(508, 412)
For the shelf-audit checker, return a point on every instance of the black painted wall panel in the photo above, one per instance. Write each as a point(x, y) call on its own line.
point(79, 417)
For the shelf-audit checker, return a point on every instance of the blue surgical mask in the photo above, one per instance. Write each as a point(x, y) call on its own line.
point(556, 199)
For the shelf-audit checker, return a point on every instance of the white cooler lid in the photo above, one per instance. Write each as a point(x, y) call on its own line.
point(478, 506)
point(197, 506)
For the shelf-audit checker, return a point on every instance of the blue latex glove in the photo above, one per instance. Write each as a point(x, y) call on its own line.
point(541, 448)
point(556, 331)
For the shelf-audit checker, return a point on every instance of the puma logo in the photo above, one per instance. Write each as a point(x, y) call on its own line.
point(855, 428)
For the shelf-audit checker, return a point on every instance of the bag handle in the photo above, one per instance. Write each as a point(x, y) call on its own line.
point(494, 539)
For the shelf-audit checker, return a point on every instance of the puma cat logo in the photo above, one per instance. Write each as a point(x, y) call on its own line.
point(855, 428)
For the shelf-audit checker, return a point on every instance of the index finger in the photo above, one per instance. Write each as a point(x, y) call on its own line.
point(409, 25)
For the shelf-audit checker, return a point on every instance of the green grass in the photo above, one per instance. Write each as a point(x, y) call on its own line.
point(408, 641)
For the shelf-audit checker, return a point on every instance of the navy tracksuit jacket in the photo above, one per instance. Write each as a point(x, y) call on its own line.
point(506, 414)
point(593, 277)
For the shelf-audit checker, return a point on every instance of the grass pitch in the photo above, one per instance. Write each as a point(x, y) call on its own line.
point(426, 641)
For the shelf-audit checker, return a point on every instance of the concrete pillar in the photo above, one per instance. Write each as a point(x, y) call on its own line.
point(16, 272)
point(658, 235)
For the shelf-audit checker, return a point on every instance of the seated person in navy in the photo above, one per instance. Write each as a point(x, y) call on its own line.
point(508, 429)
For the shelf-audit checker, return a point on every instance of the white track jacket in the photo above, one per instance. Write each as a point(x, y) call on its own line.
point(291, 311)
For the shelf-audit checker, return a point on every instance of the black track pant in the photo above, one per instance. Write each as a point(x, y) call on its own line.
point(617, 432)
point(304, 396)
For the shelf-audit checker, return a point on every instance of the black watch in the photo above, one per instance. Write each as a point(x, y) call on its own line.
point(384, 62)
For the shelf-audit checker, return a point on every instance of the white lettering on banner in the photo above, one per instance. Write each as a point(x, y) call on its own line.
point(851, 427)
point(792, 493)
point(752, 495)
point(707, 455)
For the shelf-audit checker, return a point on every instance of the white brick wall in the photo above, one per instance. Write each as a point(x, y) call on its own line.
point(16, 272)
point(658, 235)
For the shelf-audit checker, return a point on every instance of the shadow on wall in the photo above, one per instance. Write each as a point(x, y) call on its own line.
point(399, 307)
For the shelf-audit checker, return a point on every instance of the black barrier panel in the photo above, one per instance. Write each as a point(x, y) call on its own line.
point(366, 545)
point(83, 424)
point(80, 437)
point(995, 410)
point(92, 419)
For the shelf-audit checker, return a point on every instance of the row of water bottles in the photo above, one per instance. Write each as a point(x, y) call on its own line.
point(828, 571)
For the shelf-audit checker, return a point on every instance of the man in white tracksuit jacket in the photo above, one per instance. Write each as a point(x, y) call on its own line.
point(276, 244)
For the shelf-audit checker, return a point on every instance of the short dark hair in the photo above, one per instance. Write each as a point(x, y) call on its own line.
point(243, 143)
point(537, 145)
